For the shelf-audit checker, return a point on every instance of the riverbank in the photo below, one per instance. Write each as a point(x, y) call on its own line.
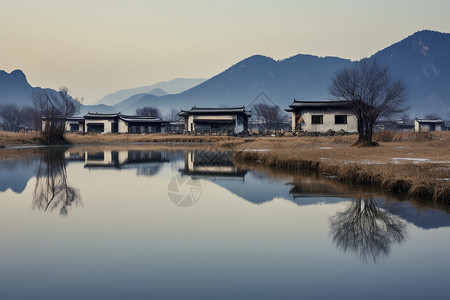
point(410, 164)
point(413, 166)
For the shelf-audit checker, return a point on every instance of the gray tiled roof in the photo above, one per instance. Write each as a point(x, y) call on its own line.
point(214, 110)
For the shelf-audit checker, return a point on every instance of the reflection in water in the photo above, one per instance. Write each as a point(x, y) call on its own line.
point(265, 231)
point(366, 230)
point(211, 164)
point(15, 174)
point(147, 163)
point(52, 191)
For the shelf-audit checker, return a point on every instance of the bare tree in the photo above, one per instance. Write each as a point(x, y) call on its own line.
point(54, 108)
point(15, 115)
point(268, 116)
point(11, 115)
point(372, 94)
point(148, 111)
point(173, 115)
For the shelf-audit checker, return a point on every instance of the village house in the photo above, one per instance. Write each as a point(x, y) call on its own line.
point(432, 124)
point(111, 123)
point(395, 125)
point(216, 120)
point(322, 116)
point(119, 123)
point(75, 124)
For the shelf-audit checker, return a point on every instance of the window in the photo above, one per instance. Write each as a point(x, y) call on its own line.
point(340, 119)
point(317, 119)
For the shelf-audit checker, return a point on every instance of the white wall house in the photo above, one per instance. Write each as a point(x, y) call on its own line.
point(119, 123)
point(75, 124)
point(216, 120)
point(322, 116)
point(436, 124)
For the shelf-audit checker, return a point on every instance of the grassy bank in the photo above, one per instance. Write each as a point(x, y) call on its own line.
point(19, 138)
point(413, 165)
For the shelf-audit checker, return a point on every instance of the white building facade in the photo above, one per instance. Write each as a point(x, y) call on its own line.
point(322, 116)
point(119, 123)
point(436, 124)
point(216, 120)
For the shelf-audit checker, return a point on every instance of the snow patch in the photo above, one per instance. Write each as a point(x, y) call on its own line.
point(419, 160)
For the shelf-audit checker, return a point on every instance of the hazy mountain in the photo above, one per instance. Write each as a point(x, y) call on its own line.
point(423, 61)
point(158, 92)
point(130, 104)
point(301, 76)
point(100, 108)
point(175, 86)
point(14, 88)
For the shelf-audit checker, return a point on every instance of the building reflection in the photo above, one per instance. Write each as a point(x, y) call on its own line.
point(211, 165)
point(52, 191)
point(147, 163)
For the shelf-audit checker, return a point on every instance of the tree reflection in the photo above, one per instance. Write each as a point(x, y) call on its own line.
point(52, 191)
point(366, 230)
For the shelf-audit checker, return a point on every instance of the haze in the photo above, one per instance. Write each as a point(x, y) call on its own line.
point(98, 47)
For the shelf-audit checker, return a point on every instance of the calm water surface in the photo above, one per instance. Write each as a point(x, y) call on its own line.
point(144, 224)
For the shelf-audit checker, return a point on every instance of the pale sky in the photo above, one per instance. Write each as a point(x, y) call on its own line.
point(96, 47)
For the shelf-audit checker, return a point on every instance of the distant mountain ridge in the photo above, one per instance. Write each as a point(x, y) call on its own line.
point(299, 76)
point(422, 60)
point(163, 88)
point(14, 88)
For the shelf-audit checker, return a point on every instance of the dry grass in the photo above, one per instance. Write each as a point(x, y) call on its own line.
point(413, 167)
point(412, 164)
point(19, 138)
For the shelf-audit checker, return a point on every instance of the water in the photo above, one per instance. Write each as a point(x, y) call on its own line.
point(121, 223)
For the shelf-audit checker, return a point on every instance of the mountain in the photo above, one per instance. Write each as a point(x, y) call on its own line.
point(301, 76)
point(130, 104)
point(14, 88)
point(422, 60)
point(175, 86)
point(158, 92)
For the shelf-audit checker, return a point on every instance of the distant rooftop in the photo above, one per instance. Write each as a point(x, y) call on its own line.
point(128, 118)
point(318, 103)
point(100, 115)
point(429, 120)
point(214, 110)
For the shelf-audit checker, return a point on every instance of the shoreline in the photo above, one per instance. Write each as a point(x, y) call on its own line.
point(397, 179)
point(414, 165)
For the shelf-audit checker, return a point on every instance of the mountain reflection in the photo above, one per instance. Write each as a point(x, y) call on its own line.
point(366, 230)
point(52, 191)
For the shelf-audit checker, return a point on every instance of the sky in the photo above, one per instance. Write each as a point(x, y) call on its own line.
point(96, 47)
